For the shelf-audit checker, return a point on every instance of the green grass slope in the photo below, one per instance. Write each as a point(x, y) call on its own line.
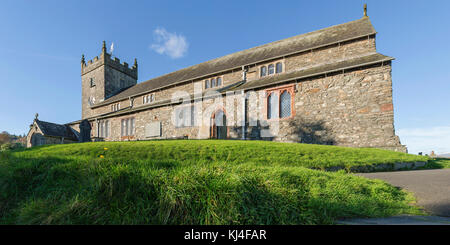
point(437, 163)
point(193, 182)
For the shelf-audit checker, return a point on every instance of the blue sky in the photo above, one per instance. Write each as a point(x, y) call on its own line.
point(42, 41)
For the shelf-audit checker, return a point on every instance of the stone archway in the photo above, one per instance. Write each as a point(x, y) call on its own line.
point(219, 129)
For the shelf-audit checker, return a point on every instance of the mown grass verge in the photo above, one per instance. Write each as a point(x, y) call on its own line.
point(193, 182)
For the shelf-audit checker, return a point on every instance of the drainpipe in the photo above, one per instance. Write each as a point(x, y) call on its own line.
point(244, 78)
point(98, 127)
point(243, 114)
point(244, 73)
point(131, 101)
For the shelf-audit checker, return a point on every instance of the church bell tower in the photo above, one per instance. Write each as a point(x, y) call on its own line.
point(102, 78)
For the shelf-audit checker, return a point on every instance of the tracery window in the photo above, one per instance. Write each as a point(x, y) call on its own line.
point(279, 103)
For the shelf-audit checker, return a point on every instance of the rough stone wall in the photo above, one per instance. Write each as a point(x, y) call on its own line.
point(57, 140)
point(116, 81)
point(97, 92)
point(352, 109)
point(331, 54)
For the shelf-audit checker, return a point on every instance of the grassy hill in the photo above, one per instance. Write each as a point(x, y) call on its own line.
point(193, 182)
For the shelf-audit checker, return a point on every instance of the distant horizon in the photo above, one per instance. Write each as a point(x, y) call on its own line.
point(42, 51)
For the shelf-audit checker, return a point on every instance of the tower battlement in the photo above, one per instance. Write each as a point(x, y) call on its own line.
point(107, 60)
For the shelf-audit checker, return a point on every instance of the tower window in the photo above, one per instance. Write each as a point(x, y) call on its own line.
point(91, 101)
point(92, 82)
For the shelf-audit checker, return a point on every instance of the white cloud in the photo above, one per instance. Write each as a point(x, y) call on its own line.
point(171, 44)
point(426, 139)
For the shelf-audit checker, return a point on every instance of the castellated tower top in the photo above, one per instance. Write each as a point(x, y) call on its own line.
point(106, 59)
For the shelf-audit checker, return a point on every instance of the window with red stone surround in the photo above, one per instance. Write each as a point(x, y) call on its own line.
point(284, 108)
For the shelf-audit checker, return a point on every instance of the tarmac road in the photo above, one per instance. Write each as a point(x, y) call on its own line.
point(431, 187)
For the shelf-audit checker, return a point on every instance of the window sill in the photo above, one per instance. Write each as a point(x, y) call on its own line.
point(279, 119)
point(275, 74)
point(127, 138)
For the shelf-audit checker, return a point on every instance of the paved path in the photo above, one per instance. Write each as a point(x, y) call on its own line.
point(431, 187)
point(399, 220)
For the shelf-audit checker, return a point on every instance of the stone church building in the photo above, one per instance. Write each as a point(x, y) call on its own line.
point(329, 86)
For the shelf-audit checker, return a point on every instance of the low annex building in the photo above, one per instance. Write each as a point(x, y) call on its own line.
point(42, 133)
point(329, 86)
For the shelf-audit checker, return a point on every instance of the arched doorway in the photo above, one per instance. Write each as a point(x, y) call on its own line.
point(219, 128)
point(37, 139)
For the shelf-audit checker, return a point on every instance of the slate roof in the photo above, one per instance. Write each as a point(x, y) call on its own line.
point(338, 33)
point(58, 130)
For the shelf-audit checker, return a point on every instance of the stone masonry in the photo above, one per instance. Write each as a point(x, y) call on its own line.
point(340, 92)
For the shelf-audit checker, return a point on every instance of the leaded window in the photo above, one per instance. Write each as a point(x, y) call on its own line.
point(271, 69)
point(214, 82)
point(285, 104)
point(272, 106)
point(279, 67)
point(263, 71)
